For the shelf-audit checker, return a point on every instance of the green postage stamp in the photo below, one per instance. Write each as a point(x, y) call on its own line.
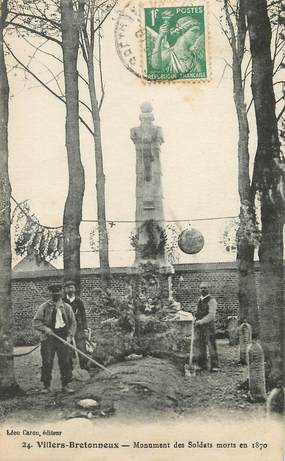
point(175, 45)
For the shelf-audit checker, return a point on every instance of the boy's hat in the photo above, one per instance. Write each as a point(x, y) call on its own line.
point(69, 283)
point(55, 288)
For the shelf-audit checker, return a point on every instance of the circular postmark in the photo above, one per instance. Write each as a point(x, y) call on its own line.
point(129, 36)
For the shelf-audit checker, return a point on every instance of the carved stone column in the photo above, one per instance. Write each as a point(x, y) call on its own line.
point(149, 196)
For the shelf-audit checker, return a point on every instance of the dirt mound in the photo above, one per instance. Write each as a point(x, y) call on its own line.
point(142, 390)
point(148, 383)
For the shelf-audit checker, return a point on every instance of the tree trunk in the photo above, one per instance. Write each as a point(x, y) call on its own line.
point(73, 205)
point(267, 178)
point(247, 287)
point(100, 176)
point(7, 377)
point(245, 246)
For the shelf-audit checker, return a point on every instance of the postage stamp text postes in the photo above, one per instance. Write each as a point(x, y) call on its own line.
point(164, 41)
point(175, 43)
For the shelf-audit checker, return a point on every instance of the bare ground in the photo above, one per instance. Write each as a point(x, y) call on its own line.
point(145, 389)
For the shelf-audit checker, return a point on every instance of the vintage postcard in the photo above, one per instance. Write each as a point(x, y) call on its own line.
point(141, 230)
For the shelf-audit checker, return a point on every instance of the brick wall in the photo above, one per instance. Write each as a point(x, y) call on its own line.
point(29, 290)
point(223, 282)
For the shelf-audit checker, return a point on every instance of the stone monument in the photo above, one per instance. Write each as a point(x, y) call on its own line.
point(150, 226)
point(156, 310)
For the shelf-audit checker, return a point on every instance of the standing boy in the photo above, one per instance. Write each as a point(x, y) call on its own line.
point(78, 308)
point(55, 316)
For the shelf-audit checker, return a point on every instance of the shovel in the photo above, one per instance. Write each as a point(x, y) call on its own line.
point(78, 373)
point(190, 369)
point(81, 353)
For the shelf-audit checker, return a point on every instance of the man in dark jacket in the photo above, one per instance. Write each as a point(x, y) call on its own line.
point(79, 311)
point(55, 316)
point(205, 332)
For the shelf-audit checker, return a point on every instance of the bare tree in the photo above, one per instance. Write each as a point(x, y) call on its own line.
point(236, 32)
point(70, 26)
point(7, 377)
point(40, 21)
point(267, 178)
point(90, 37)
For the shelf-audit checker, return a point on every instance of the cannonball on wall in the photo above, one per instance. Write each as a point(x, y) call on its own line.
point(191, 241)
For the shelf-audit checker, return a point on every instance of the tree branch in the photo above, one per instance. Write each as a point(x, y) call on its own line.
point(102, 85)
point(51, 55)
point(242, 30)
point(34, 16)
point(106, 16)
point(40, 50)
point(280, 99)
point(247, 72)
point(281, 113)
point(60, 98)
point(232, 32)
point(224, 70)
point(249, 106)
point(33, 31)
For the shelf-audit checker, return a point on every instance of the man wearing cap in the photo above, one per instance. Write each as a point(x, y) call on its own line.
point(55, 316)
point(79, 311)
point(205, 332)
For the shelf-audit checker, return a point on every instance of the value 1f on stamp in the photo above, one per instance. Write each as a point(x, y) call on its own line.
point(175, 45)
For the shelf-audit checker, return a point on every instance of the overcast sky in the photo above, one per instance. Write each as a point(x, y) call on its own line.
point(199, 156)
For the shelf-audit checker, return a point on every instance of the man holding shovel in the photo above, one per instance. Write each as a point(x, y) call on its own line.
point(55, 317)
point(79, 311)
point(205, 332)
